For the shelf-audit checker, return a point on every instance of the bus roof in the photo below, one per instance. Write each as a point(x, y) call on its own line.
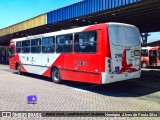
point(73, 30)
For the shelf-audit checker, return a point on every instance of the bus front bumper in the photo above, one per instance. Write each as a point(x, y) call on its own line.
point(109, 78)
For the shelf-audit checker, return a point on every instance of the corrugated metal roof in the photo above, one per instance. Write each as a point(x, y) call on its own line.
point(83, 8)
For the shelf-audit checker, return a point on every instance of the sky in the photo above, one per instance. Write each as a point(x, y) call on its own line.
point(154, 37)
point(15, 11)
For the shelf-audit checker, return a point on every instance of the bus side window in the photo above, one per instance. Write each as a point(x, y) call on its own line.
point(48, 45)
point(64, 43)
point(36, 45)
point(59, 44)
point(85, 42)
point(67, 47)
point(18, 47)
point(26, 46)
point(92, 43)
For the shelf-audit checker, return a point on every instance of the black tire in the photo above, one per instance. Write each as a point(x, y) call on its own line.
point(19, 72)
point(144, 65)
point(55, 74)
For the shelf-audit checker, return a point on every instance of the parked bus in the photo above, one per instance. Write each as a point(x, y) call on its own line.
point(100, 53)
point(150, 56)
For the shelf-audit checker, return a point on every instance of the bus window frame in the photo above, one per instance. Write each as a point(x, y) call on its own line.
point(63, 43)
point(32, 46)
point(48, 44)
point(26, 46)
point(88, 42)
point(19, 47)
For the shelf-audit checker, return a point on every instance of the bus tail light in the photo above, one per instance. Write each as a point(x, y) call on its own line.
point(109, 60)
point(108, 65)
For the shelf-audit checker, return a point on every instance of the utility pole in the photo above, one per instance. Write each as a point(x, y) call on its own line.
point(145, 37)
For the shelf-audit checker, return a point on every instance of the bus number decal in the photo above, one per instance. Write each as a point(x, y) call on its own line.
point(118, 55)
point(81, 63)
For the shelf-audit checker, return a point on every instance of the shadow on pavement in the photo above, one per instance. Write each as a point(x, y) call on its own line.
point(152, 76)
point(4, 63)
point(130, 88)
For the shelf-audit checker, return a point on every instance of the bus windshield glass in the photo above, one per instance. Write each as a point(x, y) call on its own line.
point(124, 36)
point(11, 51)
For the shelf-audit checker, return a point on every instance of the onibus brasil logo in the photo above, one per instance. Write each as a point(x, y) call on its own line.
point(32, 99)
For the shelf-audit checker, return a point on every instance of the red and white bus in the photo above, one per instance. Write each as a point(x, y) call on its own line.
point(150, 56)
point(100, 53)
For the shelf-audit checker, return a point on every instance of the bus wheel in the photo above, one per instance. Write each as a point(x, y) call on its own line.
point(56, 77)
point(144, 65)
point(19, 70)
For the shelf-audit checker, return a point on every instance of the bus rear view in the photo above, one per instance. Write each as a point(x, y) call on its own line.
point(124, 61)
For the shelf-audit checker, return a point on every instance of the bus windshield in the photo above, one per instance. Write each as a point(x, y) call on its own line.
point(124, 36)
point(11, 51)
